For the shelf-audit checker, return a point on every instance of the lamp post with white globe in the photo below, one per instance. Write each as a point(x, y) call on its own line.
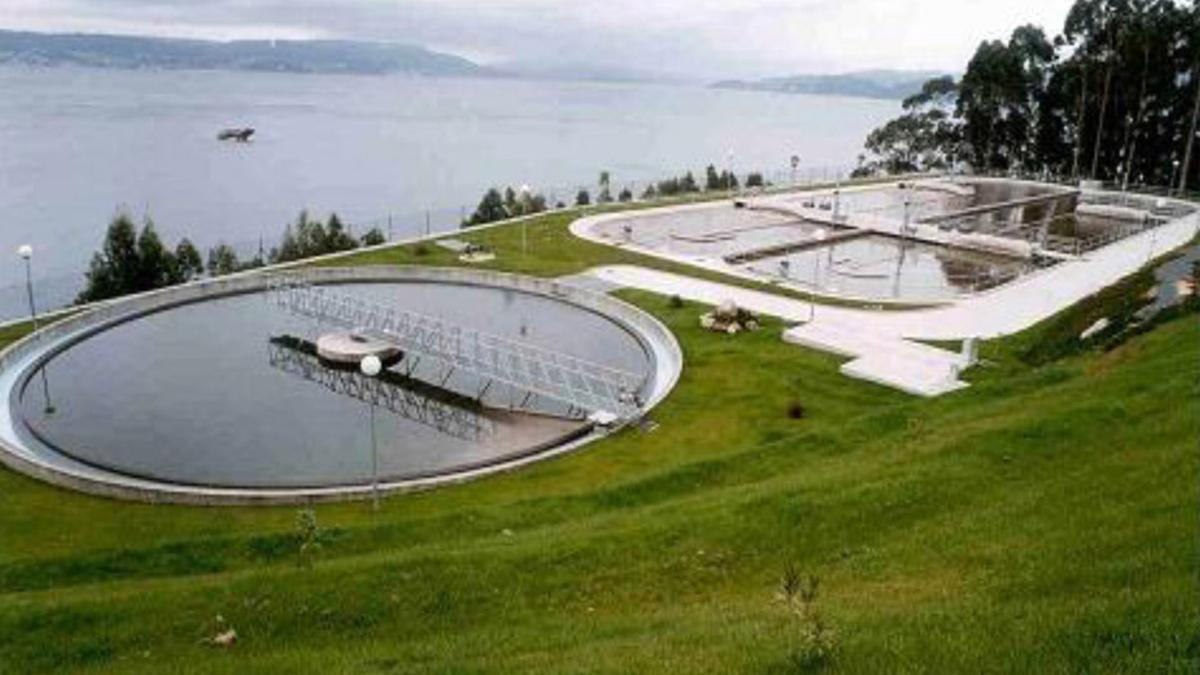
point(524, 222)
point(819, 235)
point(729, 168)
point(26, 253)
point(371, 366)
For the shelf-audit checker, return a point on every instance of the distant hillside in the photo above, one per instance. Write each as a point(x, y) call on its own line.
point(307, 56)
point(887, 84)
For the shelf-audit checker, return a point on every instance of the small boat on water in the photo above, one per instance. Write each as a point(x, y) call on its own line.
point(239, 134)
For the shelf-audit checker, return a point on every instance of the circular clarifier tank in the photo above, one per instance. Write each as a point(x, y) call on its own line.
point(223, 394)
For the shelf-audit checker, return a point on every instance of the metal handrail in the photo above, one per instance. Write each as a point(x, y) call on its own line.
point(587, 385)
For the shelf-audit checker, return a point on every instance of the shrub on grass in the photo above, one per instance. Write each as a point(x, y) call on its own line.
point(795, 410)
point(373, 237)
point(309, 537)
point(811, 641)
point(675, 302)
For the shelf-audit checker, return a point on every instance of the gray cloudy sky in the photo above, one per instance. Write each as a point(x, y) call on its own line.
point(701, 38)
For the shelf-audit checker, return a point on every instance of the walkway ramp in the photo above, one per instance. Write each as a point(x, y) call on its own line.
point(883, 359)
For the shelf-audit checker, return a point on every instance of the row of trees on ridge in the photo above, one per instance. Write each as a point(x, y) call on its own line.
point(496, 205)
point(133, 261)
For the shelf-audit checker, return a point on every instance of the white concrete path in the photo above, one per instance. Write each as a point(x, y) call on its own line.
point(879, 341)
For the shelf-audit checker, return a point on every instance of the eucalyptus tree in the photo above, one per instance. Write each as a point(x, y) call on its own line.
point(1116, 95)
point(605, 194)
point(999, 99)
point(1059, 121)
point(1145, 51)
point(156, 266)
point(925, 137)
point(1033, 57)
point(187, 257)
point(1098, 27)
point(1136, 48)
point(1189, 54)
point(985, 87)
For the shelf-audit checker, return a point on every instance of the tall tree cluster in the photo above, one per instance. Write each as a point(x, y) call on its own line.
point(131, 262)
point(1115, 96)
point(308, 238)
point(925, 136)
point(495, 206)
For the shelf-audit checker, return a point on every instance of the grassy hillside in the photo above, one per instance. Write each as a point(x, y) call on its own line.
point(1043, 520)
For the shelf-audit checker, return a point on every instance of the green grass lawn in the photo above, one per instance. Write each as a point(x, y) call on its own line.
point(1043, 520)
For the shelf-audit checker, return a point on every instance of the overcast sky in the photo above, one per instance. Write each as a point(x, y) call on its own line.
point(697, 38)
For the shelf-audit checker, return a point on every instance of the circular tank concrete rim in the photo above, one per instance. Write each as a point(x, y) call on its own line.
point(660, 344)
point(26, 374)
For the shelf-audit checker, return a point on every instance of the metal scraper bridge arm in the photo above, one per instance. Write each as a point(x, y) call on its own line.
point(588, 386)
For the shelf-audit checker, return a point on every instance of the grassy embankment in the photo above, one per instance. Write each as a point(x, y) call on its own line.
point(1043, 520)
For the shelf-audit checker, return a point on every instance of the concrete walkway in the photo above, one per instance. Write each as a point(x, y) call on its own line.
point(880, 341)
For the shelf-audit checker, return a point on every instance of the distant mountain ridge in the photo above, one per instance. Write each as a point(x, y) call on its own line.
point(883, 84)
point(296, 56)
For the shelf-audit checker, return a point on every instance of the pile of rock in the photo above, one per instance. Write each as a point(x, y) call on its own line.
point(476, 253)
point(729, 318)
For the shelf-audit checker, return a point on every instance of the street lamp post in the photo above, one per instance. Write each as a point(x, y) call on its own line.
point(819, 235)
point(371, 366)
point(524, 222)
point(729, 168)
point(1153, 243)
point(26, 253)
point(907, 215)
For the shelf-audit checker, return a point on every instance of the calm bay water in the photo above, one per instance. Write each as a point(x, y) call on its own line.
point(77, 144)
